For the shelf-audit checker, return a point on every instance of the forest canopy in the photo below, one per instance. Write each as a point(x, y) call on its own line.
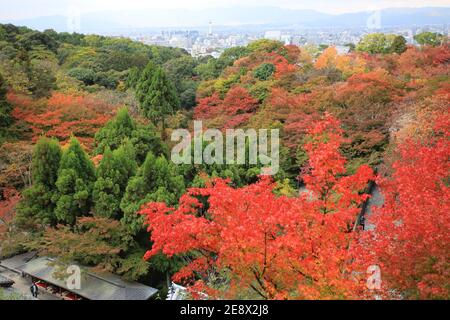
point(86, 174)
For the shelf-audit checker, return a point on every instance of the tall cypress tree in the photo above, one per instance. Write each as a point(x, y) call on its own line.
point(113, 173)
point(36, 205)
point(144, 82)
point(76, 177)
point(160, 100)
point(133, 78)
point(157, 180)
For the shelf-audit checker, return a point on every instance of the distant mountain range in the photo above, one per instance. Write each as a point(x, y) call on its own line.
point(109, 21)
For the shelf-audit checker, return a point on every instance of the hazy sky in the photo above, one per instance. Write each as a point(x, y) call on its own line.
point(21, 9)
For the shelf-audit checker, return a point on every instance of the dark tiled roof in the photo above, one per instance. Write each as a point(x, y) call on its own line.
point(93, 286)
point(14, 262)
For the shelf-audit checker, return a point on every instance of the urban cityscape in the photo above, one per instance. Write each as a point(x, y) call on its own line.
point(211, 42)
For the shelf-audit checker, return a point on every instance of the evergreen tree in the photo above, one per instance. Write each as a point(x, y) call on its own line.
point(144, 82)
point(5, 107)
point(144, 138)
point(133, 78)
point(113, 173)
point(158, 180)
point(160, 100)
point(115, 131)
point(399, 45)
point(76, 176)
point(36, 205)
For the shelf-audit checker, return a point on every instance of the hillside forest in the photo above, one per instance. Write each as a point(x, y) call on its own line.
point(86, 174)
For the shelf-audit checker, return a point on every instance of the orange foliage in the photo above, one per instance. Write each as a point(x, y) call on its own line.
point(62, 116)
point(411, 239)
point(234, 110)
point(279, 247)
point(327, 59)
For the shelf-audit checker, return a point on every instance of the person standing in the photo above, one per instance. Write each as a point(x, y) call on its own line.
point(34, 290)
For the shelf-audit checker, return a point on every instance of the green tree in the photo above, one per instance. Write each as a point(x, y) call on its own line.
point(180, 72)
point(398, 45)
point(113, 173)
point(429, 38)
point(36, 205)
point(42, 78)
point(133, 78)
point(161, 99)
point(115, 131)
point(76, 176)
point(94, 241)
point(264, 71)
point(382, 43)
point(265, 45)
point(157, 180)
point(210, 68)
point(144, 82)
point(372, 43)
point(85, 75)
point(144, 138)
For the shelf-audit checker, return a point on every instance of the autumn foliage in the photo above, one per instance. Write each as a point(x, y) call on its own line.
point(233, 111)
point(312, 231)
point(62, 116)
point(271, 247)
point(8, 201)
point(411, 238)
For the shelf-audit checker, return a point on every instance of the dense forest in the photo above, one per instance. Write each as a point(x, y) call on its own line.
point(86, 175)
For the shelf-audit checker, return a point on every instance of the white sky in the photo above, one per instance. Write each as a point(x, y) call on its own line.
point(22, 9)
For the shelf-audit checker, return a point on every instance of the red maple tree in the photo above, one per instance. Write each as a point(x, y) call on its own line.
point(411, 239)
point(274, 247)
point(62, 115)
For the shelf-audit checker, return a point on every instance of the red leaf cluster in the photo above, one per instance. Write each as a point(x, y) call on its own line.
point(63, 115)
point(279, 247)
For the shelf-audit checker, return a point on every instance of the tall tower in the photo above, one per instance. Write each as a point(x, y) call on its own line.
point(210, 29)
